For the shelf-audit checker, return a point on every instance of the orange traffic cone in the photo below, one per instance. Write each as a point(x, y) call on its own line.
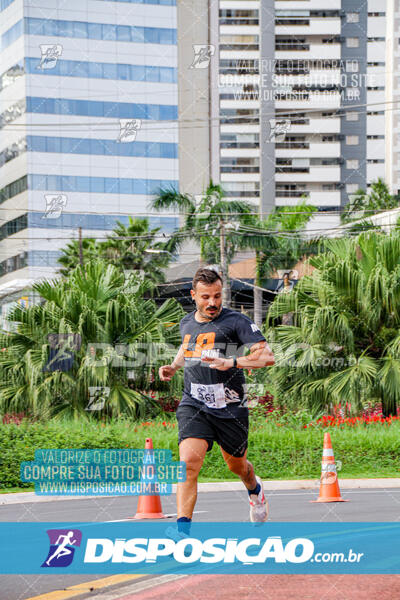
point(329, 488)
point(149, 507)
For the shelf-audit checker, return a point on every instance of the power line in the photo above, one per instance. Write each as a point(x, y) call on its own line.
point(299, 234)
point(276, 114)
point(183, 214)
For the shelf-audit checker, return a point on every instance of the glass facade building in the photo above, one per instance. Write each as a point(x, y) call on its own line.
point(88, 120)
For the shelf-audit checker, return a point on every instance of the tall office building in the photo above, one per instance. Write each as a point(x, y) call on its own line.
point(300, 98)
point(88, 110)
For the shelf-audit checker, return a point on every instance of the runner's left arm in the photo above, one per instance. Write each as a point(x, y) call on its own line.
point(248, 335)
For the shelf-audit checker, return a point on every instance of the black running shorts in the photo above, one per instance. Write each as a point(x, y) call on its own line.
point(230, 434)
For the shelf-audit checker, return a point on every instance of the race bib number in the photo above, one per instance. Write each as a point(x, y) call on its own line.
point(212, 395)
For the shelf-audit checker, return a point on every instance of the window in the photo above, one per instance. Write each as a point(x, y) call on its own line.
point(351, 188)
point(351, 116)
point(166, 36)
point(53, 144)
point(97, 184)
point(123, 71)
point(109, 32)
point(96, 108)
point(111, 185)
point(65, 28)
point(80, 106)
point(95, 70)
point(352, 17)
point(352, 163)
point(123, 33)
point(352, 140)
point(53, 182)
point(150, 35)
point(137, 34)
point(80, 69)
point(139, 186)
point(125, 186)
point(152, 73)
point(84, 184)
point(80, 29)
point(66, 145)
point(167, 75)
point(352, 42)
point(109, 71)
point(97, 147)
point(12, 189)
point(94, 31)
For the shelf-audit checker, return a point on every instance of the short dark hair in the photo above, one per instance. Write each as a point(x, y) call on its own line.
point(207, 276)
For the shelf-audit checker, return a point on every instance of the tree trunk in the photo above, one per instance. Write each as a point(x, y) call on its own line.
point(389, 409)
point(226, 290)
point(257, 293)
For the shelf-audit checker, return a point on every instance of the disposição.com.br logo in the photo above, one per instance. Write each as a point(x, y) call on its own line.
point(62, 547)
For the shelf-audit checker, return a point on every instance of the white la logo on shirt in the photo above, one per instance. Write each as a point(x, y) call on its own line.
point(254, 327)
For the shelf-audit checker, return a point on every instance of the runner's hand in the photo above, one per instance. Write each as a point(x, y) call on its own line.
point(221, 364)
point(166, 372)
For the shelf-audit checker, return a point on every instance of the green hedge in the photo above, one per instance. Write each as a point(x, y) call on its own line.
point(276, 452)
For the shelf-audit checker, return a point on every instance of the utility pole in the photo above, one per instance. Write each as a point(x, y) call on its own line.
point(226, 296)
point(80, 246)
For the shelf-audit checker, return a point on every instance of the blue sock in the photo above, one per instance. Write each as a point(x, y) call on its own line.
point(256, 490)
point(184, 524)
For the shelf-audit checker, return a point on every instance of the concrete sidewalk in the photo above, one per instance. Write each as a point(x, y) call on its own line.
point(224, 486)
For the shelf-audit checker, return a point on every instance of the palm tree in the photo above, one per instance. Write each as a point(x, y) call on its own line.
point(134, 247)
point(109, 316)
point(205, 220)
point(70, 254)
point(344, 345)
point(363, 204)
point(277, 244)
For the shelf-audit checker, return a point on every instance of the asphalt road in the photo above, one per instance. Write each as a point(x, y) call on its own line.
point(290, 505)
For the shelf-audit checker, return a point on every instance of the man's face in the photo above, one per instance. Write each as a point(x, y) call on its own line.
point(208, 299)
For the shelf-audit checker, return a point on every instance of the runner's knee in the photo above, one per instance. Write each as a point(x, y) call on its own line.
point(239, 466)
point(193, 466)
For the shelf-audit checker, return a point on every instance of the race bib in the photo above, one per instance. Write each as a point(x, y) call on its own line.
point(211, 395)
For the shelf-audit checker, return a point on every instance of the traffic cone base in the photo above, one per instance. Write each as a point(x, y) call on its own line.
point(158, 515)
point(329, 490)
point(338, 499)
point(149, 507)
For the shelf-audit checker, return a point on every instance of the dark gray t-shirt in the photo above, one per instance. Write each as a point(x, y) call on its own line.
point(219, 393)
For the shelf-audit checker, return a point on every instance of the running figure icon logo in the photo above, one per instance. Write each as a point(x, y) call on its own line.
point(62, 547)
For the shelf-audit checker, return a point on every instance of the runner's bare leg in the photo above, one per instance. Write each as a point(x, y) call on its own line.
point(241, 467)
point(192, 451)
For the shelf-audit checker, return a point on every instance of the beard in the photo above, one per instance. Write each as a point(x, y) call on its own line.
point(210, 315)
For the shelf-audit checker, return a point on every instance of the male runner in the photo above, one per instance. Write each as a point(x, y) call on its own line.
point(213, 406)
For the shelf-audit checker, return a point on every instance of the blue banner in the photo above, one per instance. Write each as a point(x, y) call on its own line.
point(157, 547)
point(111, 472)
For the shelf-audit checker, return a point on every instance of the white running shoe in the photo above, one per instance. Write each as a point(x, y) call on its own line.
point(258, 505)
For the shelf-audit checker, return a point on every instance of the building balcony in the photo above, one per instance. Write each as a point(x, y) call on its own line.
point(240, 177)
point(311, 149)
point(315, 198)
point(310, 100)
point(325, 173)
point(308, 51)
point(325, 125)
point(309, 26)
point(239, 29)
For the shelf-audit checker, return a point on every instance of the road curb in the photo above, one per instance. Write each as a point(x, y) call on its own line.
point(221, 486)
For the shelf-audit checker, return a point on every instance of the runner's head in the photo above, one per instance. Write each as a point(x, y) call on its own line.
point(207, 293)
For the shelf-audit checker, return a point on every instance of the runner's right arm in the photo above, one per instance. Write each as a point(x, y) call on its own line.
point(166, 372)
